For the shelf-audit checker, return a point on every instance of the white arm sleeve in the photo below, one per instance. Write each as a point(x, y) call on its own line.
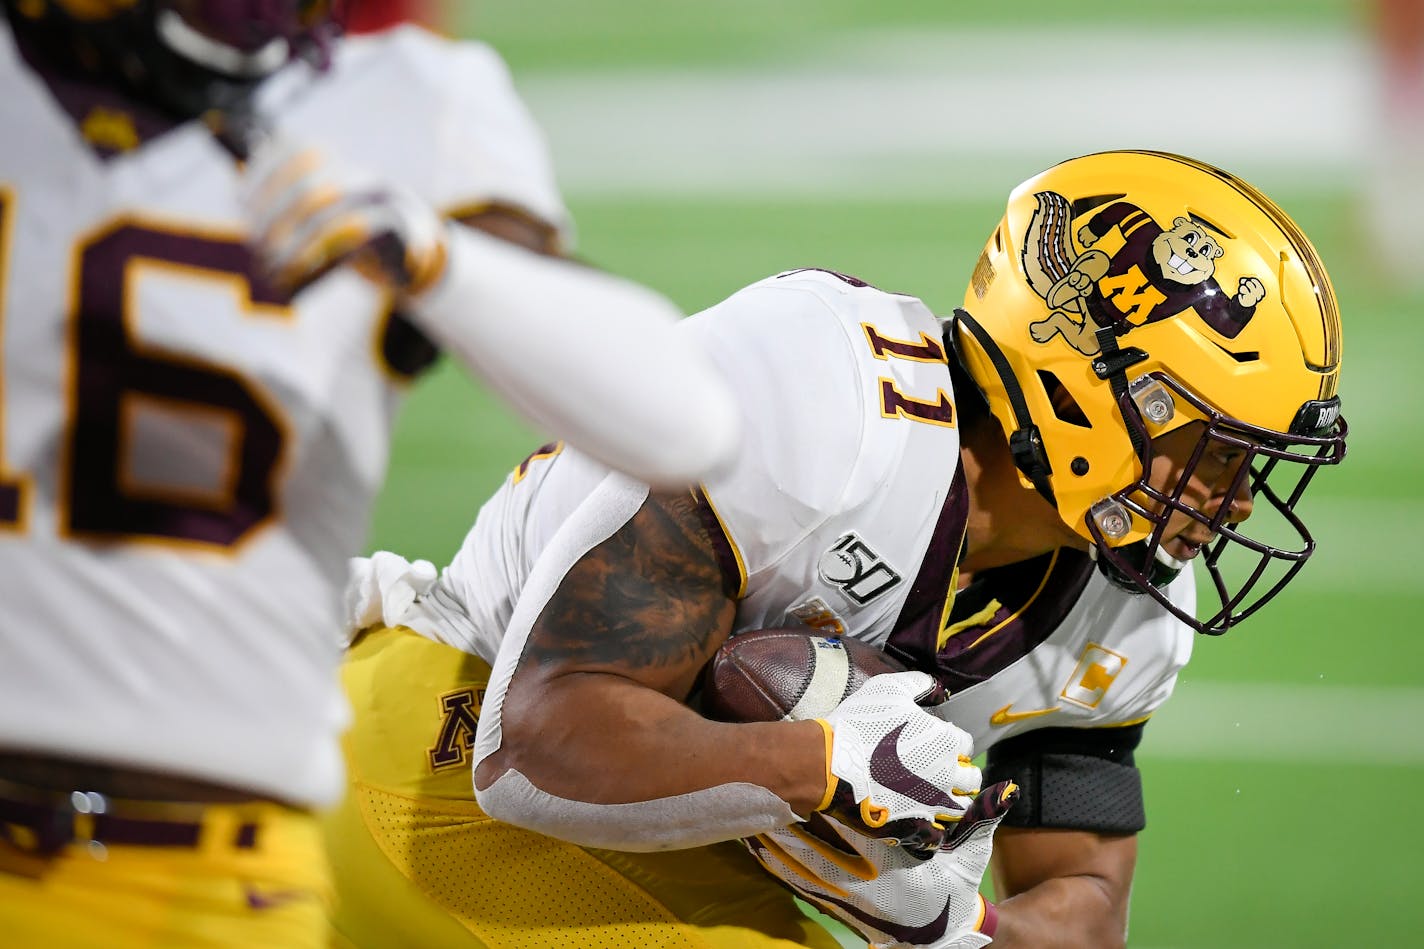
point(585, 355)
point(697, 819)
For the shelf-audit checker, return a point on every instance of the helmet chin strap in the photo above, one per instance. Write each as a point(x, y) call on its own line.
point(207, 52)
point(1025, 442)
point(1162, 571)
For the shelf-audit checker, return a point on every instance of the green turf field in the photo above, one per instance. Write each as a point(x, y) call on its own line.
point(1285, 779)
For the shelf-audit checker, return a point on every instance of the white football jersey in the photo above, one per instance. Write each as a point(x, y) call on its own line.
point(1059, 646)
point(186, 459)
point(846, 512)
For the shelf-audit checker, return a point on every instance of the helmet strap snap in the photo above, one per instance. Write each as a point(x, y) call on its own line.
point(1111, 365)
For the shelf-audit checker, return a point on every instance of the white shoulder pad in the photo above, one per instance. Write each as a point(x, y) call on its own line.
point(1112, 660)
point(794, 350)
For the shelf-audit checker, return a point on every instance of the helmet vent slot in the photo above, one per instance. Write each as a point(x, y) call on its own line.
point(1064, 405)
point(1082, 206)
point(1245, 355)
point(1210, 225)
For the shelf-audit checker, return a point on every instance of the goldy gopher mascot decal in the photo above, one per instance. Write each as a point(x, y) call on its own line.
point(1146, 274)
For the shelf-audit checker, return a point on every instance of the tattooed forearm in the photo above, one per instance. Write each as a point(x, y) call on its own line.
point(596, 708)
point(650, 597)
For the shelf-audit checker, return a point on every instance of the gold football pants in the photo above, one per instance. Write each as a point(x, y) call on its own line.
point(417, 863)
point(273, 892)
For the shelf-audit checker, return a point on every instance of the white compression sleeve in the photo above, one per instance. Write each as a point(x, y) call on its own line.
point(607, 508)
point(704, 817)
point(585, 355)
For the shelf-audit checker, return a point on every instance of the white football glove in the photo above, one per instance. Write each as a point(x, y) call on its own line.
point(382, 587)
point(897, 772)
point(889, 895)
point(309, 214)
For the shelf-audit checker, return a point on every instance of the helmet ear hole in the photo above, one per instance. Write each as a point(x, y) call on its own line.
point(1064, 405)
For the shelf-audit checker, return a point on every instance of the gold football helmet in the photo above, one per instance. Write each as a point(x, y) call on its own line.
point(1128, 295)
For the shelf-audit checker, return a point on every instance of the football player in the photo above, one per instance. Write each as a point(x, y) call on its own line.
point(1142, 379)
point(370, 16)
point(1393, 185)
point(189, 451)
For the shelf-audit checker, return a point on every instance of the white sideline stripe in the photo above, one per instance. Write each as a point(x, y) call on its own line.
point(955, 113)
point(969, 113)
point(1294, 724)
point(1362, 544)
point(1381, 389)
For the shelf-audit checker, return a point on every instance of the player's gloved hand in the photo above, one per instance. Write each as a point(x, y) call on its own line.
point(887, 894)
point(896, 772)
point(380, 588)
point(309, 214)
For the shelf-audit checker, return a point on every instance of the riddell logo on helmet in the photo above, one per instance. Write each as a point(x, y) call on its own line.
point(1326, 415)
point(1122, 269)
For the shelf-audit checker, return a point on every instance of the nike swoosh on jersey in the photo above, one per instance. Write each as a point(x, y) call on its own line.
point(888, 770)
point(1005, 717)
point(259, 900)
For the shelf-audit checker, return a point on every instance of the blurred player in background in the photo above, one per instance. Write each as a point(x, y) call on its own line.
point(190, 451)
point(372, 16)
point(1010, 500)
point(1394, 199)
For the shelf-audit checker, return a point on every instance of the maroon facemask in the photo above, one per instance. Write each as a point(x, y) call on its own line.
point(1248, 562)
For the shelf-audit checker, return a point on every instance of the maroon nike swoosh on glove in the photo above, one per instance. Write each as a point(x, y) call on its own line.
point(929, 932)
point(889, 770)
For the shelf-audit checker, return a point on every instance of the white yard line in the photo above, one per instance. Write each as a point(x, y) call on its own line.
point(1356, 725)
point(1363, 545)
point(965, 114)
point(1320, 725)
point(952, 114)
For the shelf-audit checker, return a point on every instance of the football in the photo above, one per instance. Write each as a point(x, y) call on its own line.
point(789, 674)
